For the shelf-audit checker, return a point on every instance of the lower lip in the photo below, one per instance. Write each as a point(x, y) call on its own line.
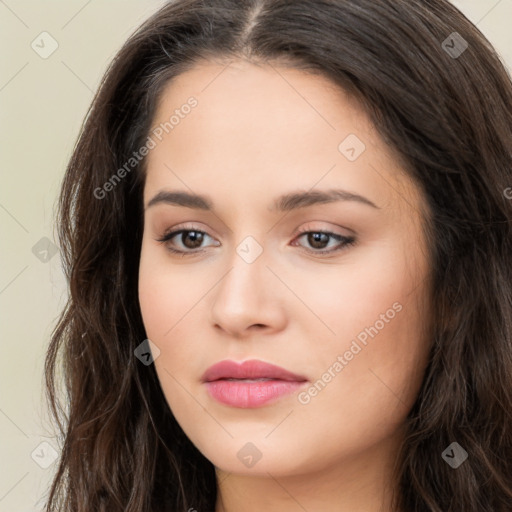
point(247, 394)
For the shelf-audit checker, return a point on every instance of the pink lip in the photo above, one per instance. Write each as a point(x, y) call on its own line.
point(245, 392)
point(252, 369)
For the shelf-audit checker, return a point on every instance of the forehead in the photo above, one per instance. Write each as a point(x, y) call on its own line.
point(269, 99)
point(264, 124)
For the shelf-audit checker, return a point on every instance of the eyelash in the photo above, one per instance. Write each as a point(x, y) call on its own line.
point(344, 240)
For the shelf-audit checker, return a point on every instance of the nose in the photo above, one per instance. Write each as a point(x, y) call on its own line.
point(248, 298)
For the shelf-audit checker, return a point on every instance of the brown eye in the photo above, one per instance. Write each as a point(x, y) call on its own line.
point(188, 241)
point(319, 240)
point(191, 239)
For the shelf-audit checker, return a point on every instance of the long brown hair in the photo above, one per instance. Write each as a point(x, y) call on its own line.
point(441, 98)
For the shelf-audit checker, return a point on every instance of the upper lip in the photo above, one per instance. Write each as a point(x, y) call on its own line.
point(252, 369)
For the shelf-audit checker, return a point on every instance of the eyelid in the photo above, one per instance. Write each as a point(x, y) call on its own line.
point(308, 228)
point(187, 226)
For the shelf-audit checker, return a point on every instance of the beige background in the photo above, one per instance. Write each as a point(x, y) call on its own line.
point(42, 104)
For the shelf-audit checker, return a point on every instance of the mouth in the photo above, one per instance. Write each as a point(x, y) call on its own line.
point(250, 384)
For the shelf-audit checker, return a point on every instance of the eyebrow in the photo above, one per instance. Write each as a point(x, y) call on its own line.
point(284, 203)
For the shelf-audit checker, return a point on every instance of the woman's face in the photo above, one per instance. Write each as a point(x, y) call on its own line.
point(255, 278)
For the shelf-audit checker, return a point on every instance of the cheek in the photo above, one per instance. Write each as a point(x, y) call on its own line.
point(367, 377)
point(164, 303)
point(164, 293)
point(153, 301)
point(375, 310)
point(171, 305)
point(368, 286)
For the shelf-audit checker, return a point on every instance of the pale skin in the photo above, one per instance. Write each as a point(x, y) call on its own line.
point(259, 132)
